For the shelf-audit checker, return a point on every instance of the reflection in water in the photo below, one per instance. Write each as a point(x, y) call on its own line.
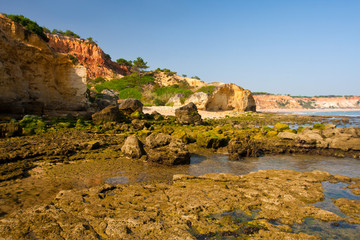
point(328, 230)
point(219, 163)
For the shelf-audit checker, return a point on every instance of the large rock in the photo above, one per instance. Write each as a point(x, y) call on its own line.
point(175, 101)
point(200, 99)
point(33, 78)
point(231, 97)
point(108, 114)
point(131, 105)
point(167, 150)
point(241, 147)
point(188, 114)
point(287, 135)
point(156, 140)
point(133, 147)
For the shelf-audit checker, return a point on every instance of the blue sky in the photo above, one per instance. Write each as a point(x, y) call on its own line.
point(298, 47)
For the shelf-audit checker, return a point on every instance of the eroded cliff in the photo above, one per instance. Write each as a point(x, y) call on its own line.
point(89, 54)
point(231, 97)
point(288, 102)
point(33, 78)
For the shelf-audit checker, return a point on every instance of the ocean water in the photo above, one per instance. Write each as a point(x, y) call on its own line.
point(352, 116)
point(329, 113)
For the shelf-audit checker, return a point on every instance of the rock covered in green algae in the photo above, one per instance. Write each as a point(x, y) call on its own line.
point(182, 209)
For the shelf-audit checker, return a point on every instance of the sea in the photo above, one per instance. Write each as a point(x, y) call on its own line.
point(352, 116)
point(328, 113)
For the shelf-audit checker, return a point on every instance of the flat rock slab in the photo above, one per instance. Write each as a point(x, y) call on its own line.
point(181, 209)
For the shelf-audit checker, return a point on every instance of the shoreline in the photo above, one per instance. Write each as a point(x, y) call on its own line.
point(289, 110)
point(170, 111)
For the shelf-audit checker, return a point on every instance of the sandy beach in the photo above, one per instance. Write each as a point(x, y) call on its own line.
point(166, 110)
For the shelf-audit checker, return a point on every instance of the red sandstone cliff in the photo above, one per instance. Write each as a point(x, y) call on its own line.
point(288, 102)
point(90, 55)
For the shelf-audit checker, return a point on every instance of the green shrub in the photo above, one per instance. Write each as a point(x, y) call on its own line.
point(159, 102)
point(282, 103)
point(130, 81)
point(124, 62)
point(73, 59)
point(306, 104)
point(130, 93)
point(90, 41)
point(99, 88)
point(207, 89)
point(99, 80)
point(66, 33)
point(262, 93)
point(172, 91)
point(29, 24)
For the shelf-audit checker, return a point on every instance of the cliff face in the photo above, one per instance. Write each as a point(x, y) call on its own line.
point(90, 55)
point(231, 97)
point(33, 78)
point(288, 102)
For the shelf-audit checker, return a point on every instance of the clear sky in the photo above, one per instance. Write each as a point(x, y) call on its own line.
point(297, 47)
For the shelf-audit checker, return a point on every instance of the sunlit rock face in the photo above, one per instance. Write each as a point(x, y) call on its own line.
point(231, 97)
point(33, 78)
point(88, 54)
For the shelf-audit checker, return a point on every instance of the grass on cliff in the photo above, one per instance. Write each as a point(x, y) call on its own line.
point(130, 81)
point(29, 24)
point(130, 93)
point(163, 94)
point(207, 89)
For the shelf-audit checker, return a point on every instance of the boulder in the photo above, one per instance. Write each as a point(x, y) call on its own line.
point(157, 116)
point(139, 124)
point(156, 140)
point(345, 143)
point(330, 132)
point(133, 147)
point(199, 99)
point(239, 148)
point(310, 137)
point(167, 150)
point(131, 105)
point(231, 97)
point(109, 114)
point(188, 114)
point(175, 101)
point(287, 135)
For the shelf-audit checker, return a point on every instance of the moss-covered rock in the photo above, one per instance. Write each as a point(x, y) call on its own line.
point(281, 126)
point(10, 129)
point(271, 134)
point(210, 139)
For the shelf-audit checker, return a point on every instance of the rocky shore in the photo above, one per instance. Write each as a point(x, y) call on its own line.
point(261, 205)
point(266, 204)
